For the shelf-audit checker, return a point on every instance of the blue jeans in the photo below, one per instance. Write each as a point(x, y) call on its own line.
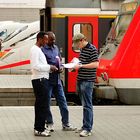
point(85, 90)
point(57, 89)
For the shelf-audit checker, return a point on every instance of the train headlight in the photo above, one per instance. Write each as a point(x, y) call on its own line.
point(104, 76)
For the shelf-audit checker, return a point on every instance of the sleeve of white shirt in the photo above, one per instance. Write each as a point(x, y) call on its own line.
point(35, 62)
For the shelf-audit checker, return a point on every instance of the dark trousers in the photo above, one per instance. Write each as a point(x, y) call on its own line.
point(40, 87)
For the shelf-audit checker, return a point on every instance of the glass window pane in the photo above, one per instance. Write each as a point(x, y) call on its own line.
point(84, 28)
point(76, 3)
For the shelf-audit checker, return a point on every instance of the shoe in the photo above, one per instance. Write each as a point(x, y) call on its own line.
point(50, 127)
point(68, 127)
point(79, 130)
point(85, 133)
point(45, 133)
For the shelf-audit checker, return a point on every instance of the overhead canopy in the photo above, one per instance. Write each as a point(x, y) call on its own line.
point(22, 3)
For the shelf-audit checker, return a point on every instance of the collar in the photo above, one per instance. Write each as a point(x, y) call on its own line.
point(49, 47)
point(87, 46)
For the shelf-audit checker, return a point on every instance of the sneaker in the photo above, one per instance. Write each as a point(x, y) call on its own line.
point(50, 127)
point(45, 133)
point(85, 133)
point(69, 128)
point(79, 130)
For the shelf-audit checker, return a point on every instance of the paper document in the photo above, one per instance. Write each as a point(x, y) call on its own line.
point(72, 64)
point(69, 65)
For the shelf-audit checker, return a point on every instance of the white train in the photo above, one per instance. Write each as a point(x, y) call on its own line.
point(20, 35)
point(16, 61)
point(8, 27)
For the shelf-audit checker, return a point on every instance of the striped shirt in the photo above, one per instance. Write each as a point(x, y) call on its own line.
point(88, 54)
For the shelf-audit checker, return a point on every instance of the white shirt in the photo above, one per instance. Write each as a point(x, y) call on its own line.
point(39, 66)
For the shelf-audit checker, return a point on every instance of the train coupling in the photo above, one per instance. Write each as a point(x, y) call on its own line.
point(105, 92)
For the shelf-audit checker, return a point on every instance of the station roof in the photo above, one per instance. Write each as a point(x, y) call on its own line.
point(22, 3)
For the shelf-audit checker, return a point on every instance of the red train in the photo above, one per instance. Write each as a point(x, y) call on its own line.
point(119, 71)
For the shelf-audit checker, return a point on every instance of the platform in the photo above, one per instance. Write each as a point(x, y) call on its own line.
point(110, 123)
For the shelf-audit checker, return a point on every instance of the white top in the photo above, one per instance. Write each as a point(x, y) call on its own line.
point(39, 66)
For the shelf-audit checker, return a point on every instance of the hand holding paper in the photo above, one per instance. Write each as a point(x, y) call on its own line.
point(72, 64)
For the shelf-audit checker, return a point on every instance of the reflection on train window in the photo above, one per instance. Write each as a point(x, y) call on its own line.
point(119, 28)
point(111, 34)
point(116, 35)
point(6, 55)
point(84, 28)
point(127, 7)
point(122, 26)
point(3, 33)
point(15, 33)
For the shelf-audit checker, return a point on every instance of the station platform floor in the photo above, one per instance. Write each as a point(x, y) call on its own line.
point(110, 123)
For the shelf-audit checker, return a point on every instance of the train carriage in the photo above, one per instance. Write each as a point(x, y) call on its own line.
point(119, 70)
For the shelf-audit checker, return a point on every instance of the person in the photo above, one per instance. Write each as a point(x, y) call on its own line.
point(53, 57)
point(85, 80)
point(40, 75)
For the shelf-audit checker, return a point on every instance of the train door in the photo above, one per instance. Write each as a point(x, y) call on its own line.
point(89, 27)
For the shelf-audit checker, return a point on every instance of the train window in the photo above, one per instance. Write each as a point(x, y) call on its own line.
point(3, 33)
point(116, 35)
point(110, 4)
point(119, 28)
point(122, 26)
point(75, 3)
point(84, 28)
point(15, 33)
point(127, 7)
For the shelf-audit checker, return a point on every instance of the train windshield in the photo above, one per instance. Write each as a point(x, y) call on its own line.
point(15, 33)
point(118, 30)
point(3, 33)
point(116, 35)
